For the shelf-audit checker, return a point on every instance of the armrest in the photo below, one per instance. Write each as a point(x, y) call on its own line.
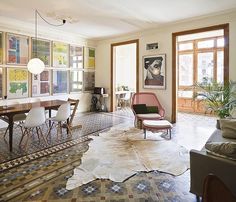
point(202, 164)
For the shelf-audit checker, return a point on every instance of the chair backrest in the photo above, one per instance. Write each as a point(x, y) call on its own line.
point(150, 99)
point(35, 117)
point(215, 190)
point(63, 112)
point(74, 108)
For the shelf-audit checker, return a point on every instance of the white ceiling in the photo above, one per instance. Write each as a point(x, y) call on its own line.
point(106, 18)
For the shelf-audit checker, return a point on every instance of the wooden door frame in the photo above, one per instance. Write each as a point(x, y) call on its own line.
point(136, 41)
point(225, 27)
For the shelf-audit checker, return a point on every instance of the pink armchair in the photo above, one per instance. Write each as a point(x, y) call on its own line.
point(149, 99)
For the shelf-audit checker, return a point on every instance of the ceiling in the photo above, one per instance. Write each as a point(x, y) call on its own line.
point(106, 18)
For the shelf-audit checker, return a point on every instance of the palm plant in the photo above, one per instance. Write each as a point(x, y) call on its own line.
point(218, 98)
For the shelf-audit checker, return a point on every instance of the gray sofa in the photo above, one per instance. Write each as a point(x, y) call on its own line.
point(202, 163)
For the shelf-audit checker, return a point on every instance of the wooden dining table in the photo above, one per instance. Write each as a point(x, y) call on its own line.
point(11, 110)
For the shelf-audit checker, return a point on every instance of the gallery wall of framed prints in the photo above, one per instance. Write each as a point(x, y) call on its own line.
point(70, 68)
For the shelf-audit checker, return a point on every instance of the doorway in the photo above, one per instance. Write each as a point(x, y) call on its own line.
point(199, 56)
point(124, 73)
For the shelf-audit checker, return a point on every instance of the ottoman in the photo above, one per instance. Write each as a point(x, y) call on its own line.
point(154, 125)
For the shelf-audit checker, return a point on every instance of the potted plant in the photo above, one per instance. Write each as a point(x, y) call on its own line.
point(218, 98)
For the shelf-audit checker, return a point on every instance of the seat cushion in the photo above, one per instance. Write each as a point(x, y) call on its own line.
point(149, 116)
point(228, 127)
point(157, 123)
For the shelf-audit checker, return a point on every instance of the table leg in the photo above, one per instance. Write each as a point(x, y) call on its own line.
point(68, 122)
point(10, 119)
point(50, 115)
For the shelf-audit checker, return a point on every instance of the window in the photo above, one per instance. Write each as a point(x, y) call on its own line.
point(76, 57)
point(76, 81)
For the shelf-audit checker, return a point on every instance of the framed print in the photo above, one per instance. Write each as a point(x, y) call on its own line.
point(17, 83)
point(17, 49)
point(76, 81)
point(154, 71)
point(89, 81)
point(1, 47)
point(1, 83)
point(76, 57)
point(60, 54)
point(89, 58)
point(41, 50)
point(41, 84)
point(59, 81)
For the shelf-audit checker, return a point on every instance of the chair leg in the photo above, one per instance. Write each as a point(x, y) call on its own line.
point(58, 129)
point(69, 129)
point(145, 133)
point(37, 133)
point(6, 132)
point(49, 131)
point(28, 138)
point(43, 136)
point(23, 134)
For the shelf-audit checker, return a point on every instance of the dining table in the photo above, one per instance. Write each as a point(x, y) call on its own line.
point(11, 110)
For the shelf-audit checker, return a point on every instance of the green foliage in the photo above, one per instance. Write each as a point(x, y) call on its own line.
point(218, 98)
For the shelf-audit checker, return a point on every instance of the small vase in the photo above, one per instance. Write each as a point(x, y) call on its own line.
point(218, 124)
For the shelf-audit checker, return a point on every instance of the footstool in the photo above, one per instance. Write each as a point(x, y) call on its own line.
point(157, 125)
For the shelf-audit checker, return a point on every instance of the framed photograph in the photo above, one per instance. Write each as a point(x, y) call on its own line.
point(76, 57)
point(76, 81)
point(60, 54)
point(89, 58)
point(17, 49)
point(17, 83)
point(41, 84)
point(43, 50)
point(59, 81)
point(154, 71)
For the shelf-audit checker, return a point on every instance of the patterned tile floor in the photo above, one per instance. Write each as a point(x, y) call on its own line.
point(44, 178)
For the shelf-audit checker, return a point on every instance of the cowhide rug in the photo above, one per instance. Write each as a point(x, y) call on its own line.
point(119, 154)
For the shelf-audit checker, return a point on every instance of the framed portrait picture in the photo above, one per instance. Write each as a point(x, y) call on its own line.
point(154, 71)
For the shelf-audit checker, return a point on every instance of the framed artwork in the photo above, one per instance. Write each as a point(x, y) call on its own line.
point(17, 49)
point(60, 54)
point(41, 84)
point(154, 71)
point(76, 57)
point(89, 81)
point(59, 81)
point(17, 83)
point(1, 46)
point(43, 50)
point(89, 58)
point(1, 83)
point(76, 81)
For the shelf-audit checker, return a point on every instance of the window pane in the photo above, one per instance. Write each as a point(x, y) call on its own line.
point(185, 46)
point(205, 44)
point(186, 94)
point(59, 81)
point(76, 57)
point(205, 67)
point(220, 66)
point(186, 70)
point(76, 81)
point(220, 42)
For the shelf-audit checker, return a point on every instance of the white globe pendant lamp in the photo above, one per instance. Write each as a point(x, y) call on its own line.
point(35, 65)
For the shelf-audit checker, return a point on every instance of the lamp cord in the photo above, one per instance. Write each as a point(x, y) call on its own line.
point(63, 21)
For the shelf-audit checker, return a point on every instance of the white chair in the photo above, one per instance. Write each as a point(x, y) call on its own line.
point(35, 119)
point(17, 118)
point(62, 115)
point(125, 101)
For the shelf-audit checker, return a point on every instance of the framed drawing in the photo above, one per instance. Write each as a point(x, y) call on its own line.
point(17, 49)
point(76, 57)
point(17, 83)
point(76, 81)
point(1, 46)
point(154, 71)
point(60, 54)
point(59, 81)
point(41, 84)
point(89, 81)
point(89, 58)
point(43, 50)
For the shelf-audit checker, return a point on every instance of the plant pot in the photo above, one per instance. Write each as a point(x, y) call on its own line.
point(218, 124)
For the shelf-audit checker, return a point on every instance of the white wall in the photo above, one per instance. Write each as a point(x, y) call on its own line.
point(163, 36)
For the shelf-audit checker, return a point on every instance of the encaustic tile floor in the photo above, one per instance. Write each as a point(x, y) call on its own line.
point(41, 173)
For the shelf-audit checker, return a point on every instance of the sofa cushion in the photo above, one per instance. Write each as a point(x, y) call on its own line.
point(140, 108)
point(223, 149)
point(228, 127)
